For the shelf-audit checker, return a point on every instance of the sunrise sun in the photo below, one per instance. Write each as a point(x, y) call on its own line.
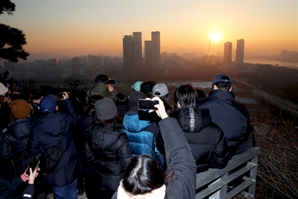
point(215, 36)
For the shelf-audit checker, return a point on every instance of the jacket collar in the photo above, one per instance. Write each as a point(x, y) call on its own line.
point(222, 95)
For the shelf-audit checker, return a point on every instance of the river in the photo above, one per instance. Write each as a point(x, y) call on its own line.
point(273, 62)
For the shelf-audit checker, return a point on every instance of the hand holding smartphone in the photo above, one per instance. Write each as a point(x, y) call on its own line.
point(147, 104)
point(33, 165)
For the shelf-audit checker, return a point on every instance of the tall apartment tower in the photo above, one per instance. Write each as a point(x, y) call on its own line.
point(148, 53)
point(240, 51)
point(132, 50)
point(137, 43)
point(128, 52)
point(228, 53)
point(155, 44)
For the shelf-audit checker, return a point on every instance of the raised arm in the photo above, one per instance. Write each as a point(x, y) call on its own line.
point(178, 157)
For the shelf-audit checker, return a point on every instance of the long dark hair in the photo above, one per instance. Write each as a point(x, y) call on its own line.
point(143, 175)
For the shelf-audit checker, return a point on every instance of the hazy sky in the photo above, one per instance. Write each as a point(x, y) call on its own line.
point(84, 27)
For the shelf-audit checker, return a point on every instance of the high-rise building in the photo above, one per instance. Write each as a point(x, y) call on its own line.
point(155, 43)
point(148, 53)
point(132, 50)
point(240, 51)
point(128, 52)
point(228, 53)
point(137, 43)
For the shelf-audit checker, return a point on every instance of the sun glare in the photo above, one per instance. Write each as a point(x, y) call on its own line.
point(215, 37)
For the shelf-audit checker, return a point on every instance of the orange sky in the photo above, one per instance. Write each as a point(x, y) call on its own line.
point(92, 27)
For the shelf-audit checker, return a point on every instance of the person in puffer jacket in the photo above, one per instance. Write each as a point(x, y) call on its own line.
point(206, 139)
point(107, 152)
point(140, 131)
point(15, 137)
point(145, 179)
point(47, 132)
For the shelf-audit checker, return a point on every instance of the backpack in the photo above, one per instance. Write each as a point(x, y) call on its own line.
point(51, 158)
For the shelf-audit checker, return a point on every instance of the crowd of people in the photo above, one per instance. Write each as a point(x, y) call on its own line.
point(112, 148)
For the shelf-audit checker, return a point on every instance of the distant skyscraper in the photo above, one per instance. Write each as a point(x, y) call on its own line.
point(148, 53)
point(228, 53)
point(155, 43)
point(240, 51)
point(137, 43)
point(128, 52)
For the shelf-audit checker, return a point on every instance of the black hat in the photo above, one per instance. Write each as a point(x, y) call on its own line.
point(134, 98)
point(102, 78)
point(221, 78)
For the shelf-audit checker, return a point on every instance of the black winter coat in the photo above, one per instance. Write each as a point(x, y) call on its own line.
point(232, 118)
point(15, 140)
point(108, 154)
point(46, 132)
point(206, 139)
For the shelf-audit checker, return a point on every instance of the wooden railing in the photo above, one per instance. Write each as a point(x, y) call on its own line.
point(243, 166)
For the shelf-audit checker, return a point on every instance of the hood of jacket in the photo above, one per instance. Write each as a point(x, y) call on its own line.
point(132, 123)
point(221, 95)
point(51, 123)
point(192, 119)
point(103, 137)
point(99, 88)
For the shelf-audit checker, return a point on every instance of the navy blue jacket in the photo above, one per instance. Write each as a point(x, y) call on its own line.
point(46, 132)
point(206, 139)
point(232, 118)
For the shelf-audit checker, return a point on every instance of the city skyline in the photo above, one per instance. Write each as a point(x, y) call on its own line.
point(76, 28)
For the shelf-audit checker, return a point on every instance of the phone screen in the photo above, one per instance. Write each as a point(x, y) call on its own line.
point(112, 81)
point(33, 165)
point(147, 104)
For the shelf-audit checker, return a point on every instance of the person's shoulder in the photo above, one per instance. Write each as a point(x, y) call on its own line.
point(203, 101)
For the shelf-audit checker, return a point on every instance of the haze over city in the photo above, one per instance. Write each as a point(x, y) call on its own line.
point(97, 27)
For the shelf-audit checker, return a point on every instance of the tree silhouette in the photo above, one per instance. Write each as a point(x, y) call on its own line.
point(11, 39)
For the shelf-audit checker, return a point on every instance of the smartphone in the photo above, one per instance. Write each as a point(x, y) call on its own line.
point(147, 104)
point(33, 165)
point(112, 81)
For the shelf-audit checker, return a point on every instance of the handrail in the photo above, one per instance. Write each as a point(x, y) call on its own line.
point(242, 166)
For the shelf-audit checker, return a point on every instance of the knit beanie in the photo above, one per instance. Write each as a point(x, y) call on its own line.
point(105, 109)
point(48, 103)
point(20, 108)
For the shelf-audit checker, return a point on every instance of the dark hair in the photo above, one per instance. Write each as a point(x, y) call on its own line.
point(200, 94)
point(222, 85)
point(102, 78)
point(143, 175)
point(186, 96)
point(120, 98)
point(146, 87)
point(167, 103)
